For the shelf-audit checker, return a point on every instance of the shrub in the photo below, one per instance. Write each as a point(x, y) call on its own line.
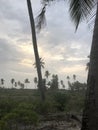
point(61, 101)
point(44, 107)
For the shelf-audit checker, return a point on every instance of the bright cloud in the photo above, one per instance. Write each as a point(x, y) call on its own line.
point(63, 51)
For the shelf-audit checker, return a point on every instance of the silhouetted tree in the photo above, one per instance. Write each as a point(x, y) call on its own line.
point(68, 78)
point(35, 81)
point(2, 82)
point(47, 74)
point(74, 77)
point(62, 83)
point(12, 81)
point(22, 86)
point(37, 58)
point(15, 84)
point(54, 82)
point(26, 81)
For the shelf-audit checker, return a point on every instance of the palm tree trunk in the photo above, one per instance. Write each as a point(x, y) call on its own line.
point(40, 83)
point(90, 113)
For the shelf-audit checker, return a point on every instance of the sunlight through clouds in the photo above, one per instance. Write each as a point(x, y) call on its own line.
point(63, 51)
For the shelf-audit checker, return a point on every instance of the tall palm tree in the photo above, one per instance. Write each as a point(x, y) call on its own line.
point(79, 10)
point(37, 59)
point(90, 113)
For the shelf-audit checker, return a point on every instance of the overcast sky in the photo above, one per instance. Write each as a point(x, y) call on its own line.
point(64, 51)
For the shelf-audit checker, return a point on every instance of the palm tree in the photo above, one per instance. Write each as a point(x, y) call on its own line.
point(42, 63)
point(15, 84)
point(12, 81)
point(62, 83)
point(26, 81)
point(74, 77)
point(79, 10)
point(47, 74)
point(68, 78)
point(2, 82)
point(35, 81)
point(37, 58)
point(90, 113)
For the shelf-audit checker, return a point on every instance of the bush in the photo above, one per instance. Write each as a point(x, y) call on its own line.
point(44, 107)
point(61, 101)
point(21, 116)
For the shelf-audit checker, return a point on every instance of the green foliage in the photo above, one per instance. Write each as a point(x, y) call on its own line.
point(61, 100)
point(23, 115)
point(23, 107)
point(3, 125)
point(77, 86)
point(6, 106)
point(44, 107)
point(54, 82)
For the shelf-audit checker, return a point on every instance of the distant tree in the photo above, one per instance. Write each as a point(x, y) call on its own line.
point(15, 84)
point(54, 82)
point(22, 86)
point(47, 74)
point(62, 83)
point(18, 83)
point(12, 81)
point(77, 86)
point(68, 78)
point(2, 82)
point(74, 77)
point(26, 81)
point(69, 83)
point(35, 81)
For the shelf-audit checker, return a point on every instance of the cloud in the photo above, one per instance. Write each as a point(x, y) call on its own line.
point(63, 50)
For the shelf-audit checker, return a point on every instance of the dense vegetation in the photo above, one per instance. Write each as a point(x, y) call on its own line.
point(23, 107)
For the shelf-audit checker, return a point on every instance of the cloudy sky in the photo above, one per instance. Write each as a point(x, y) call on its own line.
point(64, 51)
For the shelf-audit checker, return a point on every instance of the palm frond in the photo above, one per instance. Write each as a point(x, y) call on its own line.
point(80, 9)
point(40, 19)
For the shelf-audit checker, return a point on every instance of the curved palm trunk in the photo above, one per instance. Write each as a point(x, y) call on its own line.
point(40, 83)
point(90, 113)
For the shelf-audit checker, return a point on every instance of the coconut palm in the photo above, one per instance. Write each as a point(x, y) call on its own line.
point(37, 58)
point(2, 82)
point(42, 63)
point(26, 81)
point(35, 81)
point(15, 84)
point(62, 83)
point(74, 77)
point(12, 81)
point(68, 78)
point(79, 10)
point(47, 74)
point(90, 113)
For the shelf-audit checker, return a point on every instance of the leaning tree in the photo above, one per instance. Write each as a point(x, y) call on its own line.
point(35, 47)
